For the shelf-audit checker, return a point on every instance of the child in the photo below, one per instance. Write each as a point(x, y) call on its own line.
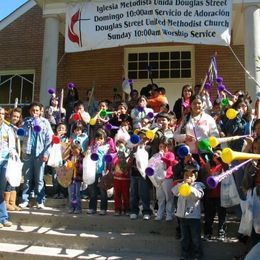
point(251, 181)
point(189, 213)
point(101, 145)
point(79, 116)
point(59, 191)
point(139, 185)
point(78, 136)
point(163, 192)
point(74, 188)
point(212, 199)
point(121, 179)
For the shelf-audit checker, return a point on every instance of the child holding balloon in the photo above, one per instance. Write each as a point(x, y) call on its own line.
point(99, 147)
point(190, 193)
point(163, 191)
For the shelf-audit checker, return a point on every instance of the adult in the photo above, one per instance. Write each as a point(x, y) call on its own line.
point(158, 99)
point(196, 126)
point(182, 105)
point(35, 151)
point(10, 192)
point(54, 113)
point(7, 148)
point(70, 100)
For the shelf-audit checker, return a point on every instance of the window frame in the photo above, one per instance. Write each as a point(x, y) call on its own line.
point(161, 49)
point(18, 73)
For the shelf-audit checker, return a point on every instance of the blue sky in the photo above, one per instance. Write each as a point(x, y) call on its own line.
point(8, 6)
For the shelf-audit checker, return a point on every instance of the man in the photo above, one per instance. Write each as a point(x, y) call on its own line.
point(35, 151)
point(7, 148)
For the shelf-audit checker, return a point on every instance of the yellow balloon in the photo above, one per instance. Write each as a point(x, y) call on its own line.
point(150, 134)
point(92, 121)
point(184, 190)
point(213, 141)
point(231, 113)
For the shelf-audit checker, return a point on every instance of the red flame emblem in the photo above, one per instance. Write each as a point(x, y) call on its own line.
point(71, 33)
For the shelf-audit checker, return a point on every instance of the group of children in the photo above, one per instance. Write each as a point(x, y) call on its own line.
point(137, 148)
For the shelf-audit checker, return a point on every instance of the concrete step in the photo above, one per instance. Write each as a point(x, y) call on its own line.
point(59, 218)
point(26, 252)
point(63, 203)
point(53, 233)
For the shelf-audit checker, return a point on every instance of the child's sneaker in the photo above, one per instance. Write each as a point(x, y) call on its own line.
point(102, 212)
point(158, 218)
point(133, 216)
point(77, 211)
point(71, 211)
point(117, 213)
point(146, 217)
point(91, 211)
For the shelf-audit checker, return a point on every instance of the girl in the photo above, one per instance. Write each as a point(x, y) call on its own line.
point(76, 158)
point(139, 112)
point(121, 179)
point(163, 192)
point(212, 201)
point(100, 146)
point(53, 113)
point(59, 191)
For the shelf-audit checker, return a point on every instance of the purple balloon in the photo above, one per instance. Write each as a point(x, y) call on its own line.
point(37, 128)
point(140, 109)
point(149, 171)
point(221, 88)
point(94, 157)
point(207, 86)
point(71, 85)
point(51, 91)
point(219, 80)
point(150, 115)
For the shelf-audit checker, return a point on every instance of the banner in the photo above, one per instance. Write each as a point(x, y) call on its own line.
point(101, 24)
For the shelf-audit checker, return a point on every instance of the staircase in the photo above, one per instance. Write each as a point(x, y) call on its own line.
point(52, 233)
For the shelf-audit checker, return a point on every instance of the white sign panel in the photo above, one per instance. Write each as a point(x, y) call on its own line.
point(104, 24)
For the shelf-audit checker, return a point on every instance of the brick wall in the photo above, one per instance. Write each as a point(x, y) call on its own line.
point(21, 48)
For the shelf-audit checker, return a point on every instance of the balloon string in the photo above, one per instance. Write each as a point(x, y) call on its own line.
point(243, 67)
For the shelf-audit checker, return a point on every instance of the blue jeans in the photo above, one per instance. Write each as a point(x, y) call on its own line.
point(93, 192)
point(33, 172)
point(3, 211)
point(190, 237)
point(74, 195)
point(139, 189)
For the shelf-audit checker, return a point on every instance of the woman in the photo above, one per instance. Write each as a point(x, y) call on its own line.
point(53, 112)
point(196, 126)
point(7, 148)
point(140, 111)
point(70, 100)
point(10, 192)
point(182, 105)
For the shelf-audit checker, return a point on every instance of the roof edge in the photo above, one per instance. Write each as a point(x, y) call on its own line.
point(16, 14)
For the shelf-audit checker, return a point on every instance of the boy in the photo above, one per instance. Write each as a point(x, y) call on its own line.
point(189, 213)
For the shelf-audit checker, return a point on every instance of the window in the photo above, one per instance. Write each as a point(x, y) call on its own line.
point(162, 64)
point(13, 85)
